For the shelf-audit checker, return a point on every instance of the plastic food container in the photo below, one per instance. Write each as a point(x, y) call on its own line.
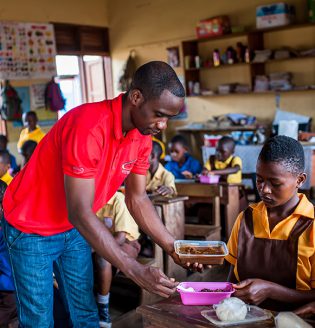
point(205, 298)
point(209, 179)
point(254, 315)
point(203, 252)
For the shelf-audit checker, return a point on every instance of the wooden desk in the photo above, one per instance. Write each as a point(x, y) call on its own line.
point(172, 213)
point(216, 194)
point(171, 313)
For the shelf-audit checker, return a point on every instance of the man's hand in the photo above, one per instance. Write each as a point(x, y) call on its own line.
point(164, 191)
point(252, 291)
point(187, 174)
point(153, 280)
point(307, 309)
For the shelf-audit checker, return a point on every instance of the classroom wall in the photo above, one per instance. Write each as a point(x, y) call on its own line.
point(92, 12)
point(151, 26)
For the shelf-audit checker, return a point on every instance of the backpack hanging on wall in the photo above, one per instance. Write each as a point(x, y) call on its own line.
point(54, 99)
point(11, 109)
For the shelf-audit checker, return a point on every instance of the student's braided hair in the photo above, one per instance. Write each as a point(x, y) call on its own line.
point(285, 150)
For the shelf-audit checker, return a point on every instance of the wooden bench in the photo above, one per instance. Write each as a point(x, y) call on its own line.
point(172, 213)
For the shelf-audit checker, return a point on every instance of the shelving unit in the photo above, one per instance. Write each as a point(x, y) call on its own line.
point(255, 41)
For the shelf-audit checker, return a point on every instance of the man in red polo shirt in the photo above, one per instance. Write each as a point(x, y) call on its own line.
point(50, 206)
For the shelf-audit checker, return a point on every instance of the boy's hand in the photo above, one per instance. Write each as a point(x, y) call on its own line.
point(187, 174)
point(132, 248)
point(204, 171)
point(164, 191)
point(253, 291)
point(306, 309)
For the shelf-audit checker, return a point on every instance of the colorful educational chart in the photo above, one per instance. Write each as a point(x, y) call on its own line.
point(13, 51)
point(27, 50)
point(41, 50)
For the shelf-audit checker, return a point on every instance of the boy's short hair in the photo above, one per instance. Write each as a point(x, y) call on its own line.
point(28, 145)
point(3, 138)
point(227, 140)
point(5, 156)
point(180, 139)
point(31, 113)
point(285, 150)
point(3, 188)
point(157, 149)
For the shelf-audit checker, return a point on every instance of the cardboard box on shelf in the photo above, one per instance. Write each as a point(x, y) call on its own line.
point(276, 14)
point(214, 26)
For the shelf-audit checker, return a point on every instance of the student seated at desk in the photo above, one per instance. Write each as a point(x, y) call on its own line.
point(182, 165)
point(5, 166)
point(118, 220)
point(271, 248)
point(224, 163)
point(4, 146)
point(27, 150)
point(159, 180)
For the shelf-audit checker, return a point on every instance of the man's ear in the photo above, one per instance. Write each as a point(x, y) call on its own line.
point(301, 179)
point(136, 98)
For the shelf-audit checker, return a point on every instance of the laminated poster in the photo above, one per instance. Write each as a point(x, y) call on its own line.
point(27, 50)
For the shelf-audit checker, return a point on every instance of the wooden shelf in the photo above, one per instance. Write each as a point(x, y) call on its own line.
point(218, 67)
point(282, 28)
point(271, 92)
point(269, 61)
point(254, 31)
point(255, 41)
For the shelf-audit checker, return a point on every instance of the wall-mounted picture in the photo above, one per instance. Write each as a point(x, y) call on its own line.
point(173, 56)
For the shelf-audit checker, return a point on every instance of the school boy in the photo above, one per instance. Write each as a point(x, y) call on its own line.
point(123, 227)
point(4, 146)
point(27, 150)
point(271, 248)
point(159, 179)
point(8, 312)
point(182, 165)
point(5, 166)
point(224, 163)
point(32, 131)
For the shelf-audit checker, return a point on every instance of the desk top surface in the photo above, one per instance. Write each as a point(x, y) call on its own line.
point(171, 312)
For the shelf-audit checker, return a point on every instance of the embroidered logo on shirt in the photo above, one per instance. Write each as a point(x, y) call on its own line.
point(77, 170)
point(126, 167)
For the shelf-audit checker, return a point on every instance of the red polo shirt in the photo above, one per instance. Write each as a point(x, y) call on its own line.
point(86, 143)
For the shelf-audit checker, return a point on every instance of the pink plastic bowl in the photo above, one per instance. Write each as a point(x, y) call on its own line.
point(209, 178)
point(205, 298)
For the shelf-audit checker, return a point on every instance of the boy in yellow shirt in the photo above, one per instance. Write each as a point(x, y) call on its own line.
point(32, 131)
point(272, 244)
point(159, 180)
point(5, 166)
point(118, 220)
point(224, 163)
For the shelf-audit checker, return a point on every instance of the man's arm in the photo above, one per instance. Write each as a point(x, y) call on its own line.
point(79, 196)
point(145, 215)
